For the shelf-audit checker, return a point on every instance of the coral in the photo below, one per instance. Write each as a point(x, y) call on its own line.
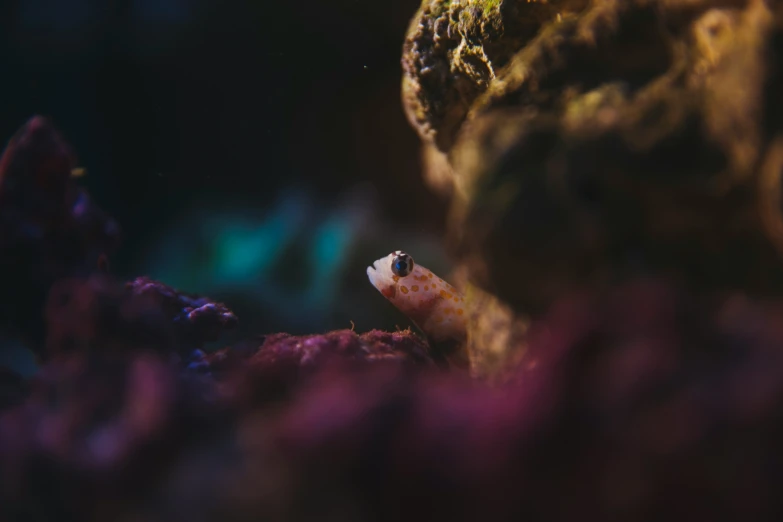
point(269, 369)
point(623, 402)
point(100, 313)
point(605, 141)
point(454, 50)
point(587, 145)
point(49, 227)
point(197, 319)
point(497, 335)
point(403, 347)
point(54, 243)
point(111, 426)
point(121, 424)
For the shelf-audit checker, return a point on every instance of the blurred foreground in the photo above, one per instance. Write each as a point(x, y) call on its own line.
point(614, 170)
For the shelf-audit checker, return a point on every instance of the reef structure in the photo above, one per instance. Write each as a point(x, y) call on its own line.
point(588, 143)
point(646, 384)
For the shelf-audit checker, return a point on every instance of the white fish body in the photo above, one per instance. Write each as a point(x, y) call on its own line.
point(435, 306)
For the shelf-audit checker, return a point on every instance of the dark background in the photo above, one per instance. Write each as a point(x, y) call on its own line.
point(255, 151)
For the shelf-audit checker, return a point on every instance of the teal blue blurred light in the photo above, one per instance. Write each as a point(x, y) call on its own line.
point(240, 251)
point(227, 249)
point(246, 248)
point(329, 252)
point(15, 356)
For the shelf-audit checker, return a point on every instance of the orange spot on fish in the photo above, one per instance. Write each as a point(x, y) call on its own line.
point(396, 278)
point(404, 289)
point(459, 311)
point(447, 311)
point(444, 294)
point(415, 288)
point(456, 299)
point(426, 288)
point(389, 292)
point(429, 275)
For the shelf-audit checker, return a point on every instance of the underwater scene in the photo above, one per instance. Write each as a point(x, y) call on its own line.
point(458, 260)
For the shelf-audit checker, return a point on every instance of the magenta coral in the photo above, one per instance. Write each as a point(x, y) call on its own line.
point(638, 402)
point(49, 227)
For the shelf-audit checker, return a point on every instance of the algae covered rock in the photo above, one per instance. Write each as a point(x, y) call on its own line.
point(609, 139)
point(453, 51)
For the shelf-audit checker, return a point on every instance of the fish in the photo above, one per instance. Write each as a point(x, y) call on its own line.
point(432, 304)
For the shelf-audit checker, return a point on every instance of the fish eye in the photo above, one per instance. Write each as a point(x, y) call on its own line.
point(402, 264)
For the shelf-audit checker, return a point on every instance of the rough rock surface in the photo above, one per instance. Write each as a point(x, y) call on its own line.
point(49, 227)
point(100, 313)
point(646, 403)
point(593, 142)
point(638, 401)
point(454, 51)
point(125, 416)
point(269, 369)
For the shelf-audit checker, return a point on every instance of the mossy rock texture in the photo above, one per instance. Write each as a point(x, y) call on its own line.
point(592, 142)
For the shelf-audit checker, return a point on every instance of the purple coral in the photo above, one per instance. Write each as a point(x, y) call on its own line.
point(273, 367)
point(110, 426)
point(49, 227)
point(643, 402)
point(197, 319)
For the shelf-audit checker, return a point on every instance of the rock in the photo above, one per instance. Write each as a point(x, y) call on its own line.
point(619, 398)
point(95, 432)
point(101, 314)
point(197, 319)
point(281, 362)
point(454, 50)
point(605, 142)
point(49, 227)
